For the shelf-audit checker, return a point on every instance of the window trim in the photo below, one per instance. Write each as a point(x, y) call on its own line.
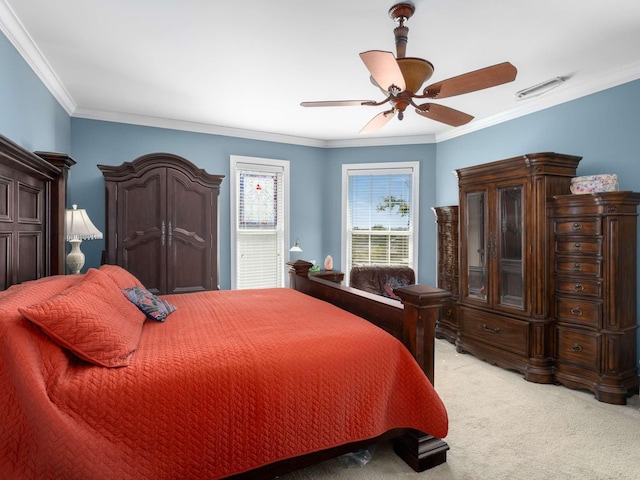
point(381, 168)
point(266, 163)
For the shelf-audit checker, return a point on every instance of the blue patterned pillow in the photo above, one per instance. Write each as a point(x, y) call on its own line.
point(393, 282)
point(153, 307)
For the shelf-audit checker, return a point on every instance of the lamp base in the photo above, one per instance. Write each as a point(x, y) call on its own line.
point(75, 258)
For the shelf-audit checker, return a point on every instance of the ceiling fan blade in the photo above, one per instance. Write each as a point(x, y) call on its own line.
point(470, 82)
point(377, 122)
point(443, 114)
point(384, 69)
point(336, 103)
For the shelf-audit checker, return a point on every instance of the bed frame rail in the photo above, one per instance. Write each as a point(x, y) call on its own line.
point(413, 321)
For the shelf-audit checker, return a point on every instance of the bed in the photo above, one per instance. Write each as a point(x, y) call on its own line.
point(99, 379)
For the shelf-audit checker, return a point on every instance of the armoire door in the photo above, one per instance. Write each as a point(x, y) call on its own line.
point(188, 234)
point(142, 228)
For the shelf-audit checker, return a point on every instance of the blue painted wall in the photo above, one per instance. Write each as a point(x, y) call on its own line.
point(29, 114)
point(97, 142)
point(332, 216)
point(602, 128)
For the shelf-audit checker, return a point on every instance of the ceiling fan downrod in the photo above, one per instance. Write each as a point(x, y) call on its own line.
point(401, 12)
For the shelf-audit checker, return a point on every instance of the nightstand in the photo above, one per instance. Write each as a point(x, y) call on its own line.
point(331, 275)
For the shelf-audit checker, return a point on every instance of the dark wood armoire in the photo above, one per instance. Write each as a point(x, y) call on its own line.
point(162, 222)
point(506, 310)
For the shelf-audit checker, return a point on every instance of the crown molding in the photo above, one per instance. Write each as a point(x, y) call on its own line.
point(149, 121)
point(572, 90)
point(26, 47)
point(13, 29)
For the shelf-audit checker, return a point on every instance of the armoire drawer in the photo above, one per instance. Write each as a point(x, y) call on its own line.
point(578, 347)
point(579, 266)
point(579, 226)
point(579, 246)
point(578, 311)
point(507, 333)
point(580, 287)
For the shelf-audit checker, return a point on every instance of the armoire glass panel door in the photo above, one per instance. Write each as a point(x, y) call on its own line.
point(510, 265)
point(476, 246)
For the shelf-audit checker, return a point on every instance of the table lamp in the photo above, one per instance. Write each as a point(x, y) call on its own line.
point(296, 246)
point(78, 227)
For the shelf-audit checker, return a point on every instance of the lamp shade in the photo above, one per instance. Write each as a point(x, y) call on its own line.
point(296, 246)
point(79, 226)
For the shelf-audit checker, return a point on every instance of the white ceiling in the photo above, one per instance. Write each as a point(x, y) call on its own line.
point(242, 68)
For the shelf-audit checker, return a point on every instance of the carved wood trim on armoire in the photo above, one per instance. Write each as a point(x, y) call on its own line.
point(448, 325)
point(162, 222)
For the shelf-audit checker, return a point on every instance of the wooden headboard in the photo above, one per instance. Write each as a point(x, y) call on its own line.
point(32, 209)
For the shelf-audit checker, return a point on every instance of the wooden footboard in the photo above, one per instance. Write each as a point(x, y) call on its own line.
point(413, 322)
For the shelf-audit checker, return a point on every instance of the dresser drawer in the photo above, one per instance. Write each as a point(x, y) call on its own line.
point(578, 347)
point(579, 266)
point(579, 246)
point(506, 333)
point(579, 287)
point(580, 312)
point(590, 226)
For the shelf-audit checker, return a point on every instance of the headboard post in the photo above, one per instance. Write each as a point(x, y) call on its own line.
point(58, 206)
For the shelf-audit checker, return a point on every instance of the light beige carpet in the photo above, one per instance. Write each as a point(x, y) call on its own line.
point(503, 427)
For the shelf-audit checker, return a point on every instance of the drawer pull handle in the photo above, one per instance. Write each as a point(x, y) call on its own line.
point(448, 312)
point(576, 311)
point(577, 267)
point(489, 329)
point(577, 247)
point(577, 226)
point(576, 347)
point(578, 287)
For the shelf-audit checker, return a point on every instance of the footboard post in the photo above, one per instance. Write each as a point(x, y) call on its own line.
point(421, 311)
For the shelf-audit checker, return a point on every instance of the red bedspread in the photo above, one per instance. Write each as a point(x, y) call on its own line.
point(233, 380)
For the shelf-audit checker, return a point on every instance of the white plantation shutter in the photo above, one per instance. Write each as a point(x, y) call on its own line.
point(380, 214)
point(258, 222)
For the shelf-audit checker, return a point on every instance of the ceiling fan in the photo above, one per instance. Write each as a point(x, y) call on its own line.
point(401, 78)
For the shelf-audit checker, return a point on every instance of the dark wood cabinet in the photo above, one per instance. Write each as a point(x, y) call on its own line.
point(161, 222)
point(448, 325)
point(504, 290)
point(595, 252)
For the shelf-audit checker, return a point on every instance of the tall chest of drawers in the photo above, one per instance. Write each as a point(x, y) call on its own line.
point(594, 256)
point(448, 325)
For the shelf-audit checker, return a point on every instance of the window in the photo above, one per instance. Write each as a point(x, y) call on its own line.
point(380, 214)
point(259, 209)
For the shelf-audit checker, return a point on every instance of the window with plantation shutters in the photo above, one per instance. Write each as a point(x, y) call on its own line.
point(258, 214)
point(380, 212)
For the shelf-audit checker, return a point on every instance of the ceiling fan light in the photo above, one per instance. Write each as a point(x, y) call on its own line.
point(415, 71)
